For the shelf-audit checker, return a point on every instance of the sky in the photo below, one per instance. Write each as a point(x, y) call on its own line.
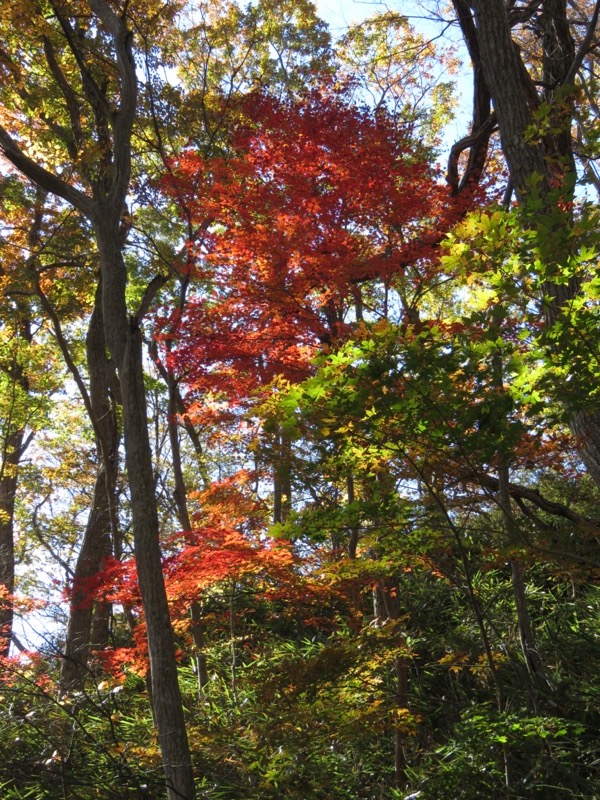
point(340, 13)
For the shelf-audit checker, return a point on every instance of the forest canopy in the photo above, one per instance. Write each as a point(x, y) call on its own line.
point(299, 401)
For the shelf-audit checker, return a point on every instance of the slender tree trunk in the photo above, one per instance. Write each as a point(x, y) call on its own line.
point(400, 763)
point(387, 607)
point(180, 497)
point(96, 546)
point(526, 634)
point(165, 687)
point(9, 476)
point(88, 620)
point(282, 477)
point(354, 531)
point(124, 339)
point(14, 445)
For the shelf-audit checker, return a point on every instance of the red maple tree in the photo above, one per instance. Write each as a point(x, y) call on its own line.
point(313, 200)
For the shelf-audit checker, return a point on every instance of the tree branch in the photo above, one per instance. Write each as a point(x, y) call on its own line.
point(534, 496)
point(583, 47)
point(42, 177)
point(123, 118)
point(150, 293)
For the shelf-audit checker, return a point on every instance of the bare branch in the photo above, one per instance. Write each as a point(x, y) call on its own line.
point(534, 496)
point(584, 46)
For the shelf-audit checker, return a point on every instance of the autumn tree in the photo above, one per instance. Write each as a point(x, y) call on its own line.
point(302, 245)
point(400, 69)
point(87, 54)
point(54, 279)
point(298, 225)
point(351, 487)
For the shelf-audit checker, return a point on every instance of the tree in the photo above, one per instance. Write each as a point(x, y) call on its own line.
point(349, 462)
point(300, 242)
point(54, 278)
point(103, 86)
point(308, 168)
point(401, 70)
point(88, 623)
point(535, 130)
point(20, 406)
point(300, 225)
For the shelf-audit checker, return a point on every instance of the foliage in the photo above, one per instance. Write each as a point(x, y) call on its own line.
point(379, 543)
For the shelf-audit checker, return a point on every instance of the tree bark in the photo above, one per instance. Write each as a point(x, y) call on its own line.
point(96, 546)
point(513, 95)
point(483, 123)
point(124, 338)
point(282, 477)
point(88, 620)
point(14, 444)
point(539, 164)
point(355, 530)
point(9, 476)
point(386, 607)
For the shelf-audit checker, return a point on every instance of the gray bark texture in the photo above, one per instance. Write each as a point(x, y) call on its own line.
point(513, 96)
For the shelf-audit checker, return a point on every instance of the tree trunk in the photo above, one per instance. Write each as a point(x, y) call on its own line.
point(354, 530)
point(526, 634)
point(282, 477)
point(13, 447)
point(124, 339)
point(386, 606)
point(96, 546)
point(88, 620)
point(513, 95)
point(8, 486)
point(166, 696)
point(537, 166)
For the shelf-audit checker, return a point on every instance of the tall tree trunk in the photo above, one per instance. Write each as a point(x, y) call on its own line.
point(386, 607)
point(354, 530)
point(282, 477)
point(124, 339)
point(96, 546)
point(9, 471)
point(539, 165)
point(88, 620)
point(526, 635)
point(14, 444)
point(513, 94)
